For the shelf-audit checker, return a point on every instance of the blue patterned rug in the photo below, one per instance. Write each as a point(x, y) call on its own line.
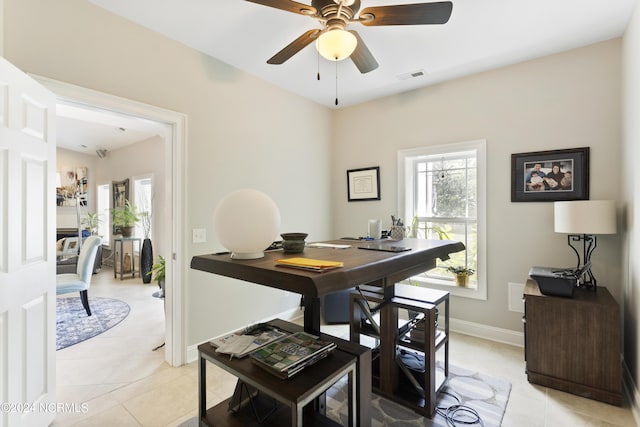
point(74, 326)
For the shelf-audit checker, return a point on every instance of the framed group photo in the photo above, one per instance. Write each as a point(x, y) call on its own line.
point(363, 184)
point(549, 176)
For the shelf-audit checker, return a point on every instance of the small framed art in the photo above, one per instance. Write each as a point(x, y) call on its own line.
point(363, 184)
point(548, 176)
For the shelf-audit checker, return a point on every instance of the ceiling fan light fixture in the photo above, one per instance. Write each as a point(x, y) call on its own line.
point(336, 45)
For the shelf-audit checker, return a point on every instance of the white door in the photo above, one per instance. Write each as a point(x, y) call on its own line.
point(27, 250)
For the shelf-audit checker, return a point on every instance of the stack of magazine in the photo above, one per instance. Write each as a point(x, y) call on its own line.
point(240, 344)
point(289, 355)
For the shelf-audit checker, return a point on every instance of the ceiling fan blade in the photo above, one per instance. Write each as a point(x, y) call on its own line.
point(288, 5)
point(294, 47)
point(407, 14)
point(362, 56)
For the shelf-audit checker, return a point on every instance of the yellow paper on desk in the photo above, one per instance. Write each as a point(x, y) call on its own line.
point(309, 264)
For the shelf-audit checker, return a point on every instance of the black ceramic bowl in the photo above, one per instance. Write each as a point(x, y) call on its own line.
point(293, 243)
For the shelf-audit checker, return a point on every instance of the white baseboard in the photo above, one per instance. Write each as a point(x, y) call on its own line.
point(289, 315)
point(491, 333)
point(631, 392)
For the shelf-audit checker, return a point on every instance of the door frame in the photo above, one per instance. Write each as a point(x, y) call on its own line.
point(175, 187)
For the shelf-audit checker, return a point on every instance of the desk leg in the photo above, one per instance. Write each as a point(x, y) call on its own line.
point(202, 388)
point(312, 315)
point(388, 336)
point(351, 398)
point(363, 390)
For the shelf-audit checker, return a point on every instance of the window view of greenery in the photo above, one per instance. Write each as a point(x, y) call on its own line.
point(445, 206)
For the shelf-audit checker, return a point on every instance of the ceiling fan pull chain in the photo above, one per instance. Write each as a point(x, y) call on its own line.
point(318, 65)
point(336, 82)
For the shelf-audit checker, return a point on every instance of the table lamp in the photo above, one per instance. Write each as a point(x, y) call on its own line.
point(582, 220)
point(246, 223)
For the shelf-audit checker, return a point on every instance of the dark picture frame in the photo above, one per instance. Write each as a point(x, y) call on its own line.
point(120, 193)
point(363, 184)
point(549, 176)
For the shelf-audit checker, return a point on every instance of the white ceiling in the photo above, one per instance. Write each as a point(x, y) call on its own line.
point(86, 130)
point(480, 35)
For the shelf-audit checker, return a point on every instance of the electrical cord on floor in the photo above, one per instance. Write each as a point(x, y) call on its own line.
point(459, 415)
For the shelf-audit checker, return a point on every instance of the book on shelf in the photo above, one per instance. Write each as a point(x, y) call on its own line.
point(240, 344)
point(417, 334)
point(318, 265)
point(289, 355)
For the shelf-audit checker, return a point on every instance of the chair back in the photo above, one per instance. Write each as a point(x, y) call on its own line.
point(87, 258)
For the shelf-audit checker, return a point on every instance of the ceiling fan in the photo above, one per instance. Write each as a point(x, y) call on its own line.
point(334, 42)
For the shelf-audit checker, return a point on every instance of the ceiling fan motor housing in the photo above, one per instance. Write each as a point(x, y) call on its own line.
point(329, 9)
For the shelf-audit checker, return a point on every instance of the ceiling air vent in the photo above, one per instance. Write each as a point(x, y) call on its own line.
point(411, 75)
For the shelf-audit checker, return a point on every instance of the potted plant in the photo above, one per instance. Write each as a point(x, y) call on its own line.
point(416, 230)
point(125, 218)
point(92, 221)
point(158, 273)
point(462, 274)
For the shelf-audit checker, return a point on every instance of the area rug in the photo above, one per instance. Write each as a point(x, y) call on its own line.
point(480, 400)
point(469, 399)
point(74, 326)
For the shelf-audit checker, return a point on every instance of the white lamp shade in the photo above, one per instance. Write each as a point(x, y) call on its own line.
point(585, 217)
point(246, 222)
point(336, 45)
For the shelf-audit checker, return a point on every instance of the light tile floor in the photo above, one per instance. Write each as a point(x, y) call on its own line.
point(125, 383)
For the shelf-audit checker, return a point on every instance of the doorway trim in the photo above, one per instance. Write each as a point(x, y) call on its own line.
point(175, 186)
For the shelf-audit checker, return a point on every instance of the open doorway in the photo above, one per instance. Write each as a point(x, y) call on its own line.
point(173, 132)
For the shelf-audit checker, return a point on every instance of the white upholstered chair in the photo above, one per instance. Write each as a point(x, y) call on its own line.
point(80, 281)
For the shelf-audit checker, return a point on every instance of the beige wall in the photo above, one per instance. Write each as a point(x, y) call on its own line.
point(142, 158)
point(561, 101)
point(631, 197)
point(242, 132)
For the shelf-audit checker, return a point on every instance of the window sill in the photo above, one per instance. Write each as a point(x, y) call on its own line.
point(448, 285)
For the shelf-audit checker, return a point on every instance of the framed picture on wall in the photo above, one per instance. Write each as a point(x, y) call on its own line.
point(71, 186)
point(363, 184)
point(548, 176)
point(120, 193)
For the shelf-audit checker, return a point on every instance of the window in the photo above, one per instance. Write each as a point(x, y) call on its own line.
point(102, 209)
point(143, 198)
point(442, 196)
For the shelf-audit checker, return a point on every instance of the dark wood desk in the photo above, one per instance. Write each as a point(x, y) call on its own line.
point(361, 267)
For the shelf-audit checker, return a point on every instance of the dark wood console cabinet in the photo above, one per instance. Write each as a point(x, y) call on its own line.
point(574, 344)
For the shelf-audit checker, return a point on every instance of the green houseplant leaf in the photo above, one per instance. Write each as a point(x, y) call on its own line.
point(158, 269)
point(126, 216)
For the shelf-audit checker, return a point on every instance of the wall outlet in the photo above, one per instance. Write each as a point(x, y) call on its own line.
point(199, 235)
point(516, 294)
